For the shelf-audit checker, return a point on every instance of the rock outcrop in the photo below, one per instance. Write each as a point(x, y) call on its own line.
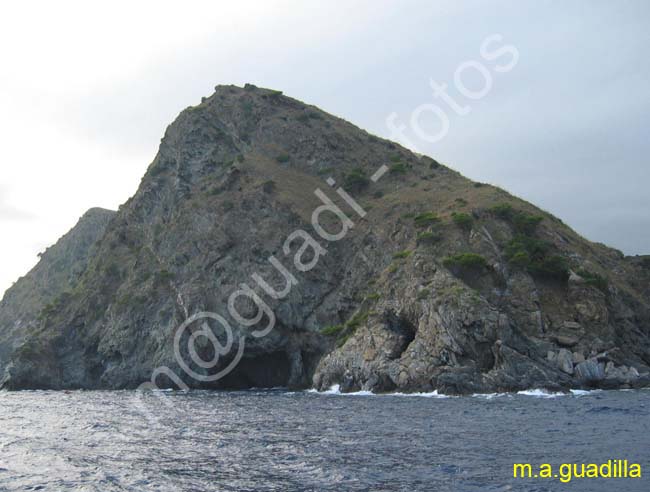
point(53, 278)
point(443, 284)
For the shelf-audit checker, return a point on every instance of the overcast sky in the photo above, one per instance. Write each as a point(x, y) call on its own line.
point(86, 92)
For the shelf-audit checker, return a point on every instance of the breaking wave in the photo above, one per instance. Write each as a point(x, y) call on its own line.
point(336, 390)
point(537, 393)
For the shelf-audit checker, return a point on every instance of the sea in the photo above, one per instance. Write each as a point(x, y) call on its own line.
point(281, 440)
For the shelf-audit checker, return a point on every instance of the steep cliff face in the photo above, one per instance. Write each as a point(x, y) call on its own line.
point(443, 284)
point(57, 273)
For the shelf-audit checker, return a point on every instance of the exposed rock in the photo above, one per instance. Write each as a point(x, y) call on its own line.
point(405, 300)
point(51, 281)
point(590, 371)
point(577, 358)
point(572, 325)
point(574, 278)
point(566, 340)
point(564, 361)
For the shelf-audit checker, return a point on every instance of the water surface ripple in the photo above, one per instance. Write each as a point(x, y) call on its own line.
point(284, 441)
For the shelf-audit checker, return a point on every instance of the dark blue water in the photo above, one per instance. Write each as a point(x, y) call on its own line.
point(282, 441)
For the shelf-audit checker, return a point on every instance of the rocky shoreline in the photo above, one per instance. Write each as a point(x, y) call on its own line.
point(440, 284)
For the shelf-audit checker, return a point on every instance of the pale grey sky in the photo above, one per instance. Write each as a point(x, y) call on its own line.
point(87, 89)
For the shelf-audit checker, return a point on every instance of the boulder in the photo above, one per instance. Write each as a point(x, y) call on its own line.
point(572, 325)
point(566, 340)
point(577, 357)
point(564, 361)
point(589, 371)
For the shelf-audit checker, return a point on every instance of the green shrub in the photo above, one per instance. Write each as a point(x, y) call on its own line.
point(533, 255)
point(282, 158)
point(428, 237)
point(425, 219)
point(357, 320)
point(503, 211)
point(594, 279)
point(400, 255)
point(533, 247)
point(399, 168)
point(552, 267)
point(373, 297)
point(346, 331)
point(525, 223)
point(522, 222)
point(343, 340)
point(393, 268)
point(645, 263)
point(520, 259)
point(332, 330)
point(356, 180)
point(395, 158)
point(462, 220)
point(466, 263)
point(461, 201)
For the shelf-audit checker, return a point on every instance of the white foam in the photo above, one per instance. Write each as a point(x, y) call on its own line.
point(432, 394)
point(490, 396)
point(336, 390)
point(537, 393)
point(579, 392)
point(359, 393)
point(540, 393)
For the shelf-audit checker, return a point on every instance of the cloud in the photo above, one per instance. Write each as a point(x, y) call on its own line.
point(10, 213)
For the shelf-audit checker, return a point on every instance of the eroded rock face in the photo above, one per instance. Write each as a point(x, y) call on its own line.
point(445, 284)
point(53, 278)
point(464, 344)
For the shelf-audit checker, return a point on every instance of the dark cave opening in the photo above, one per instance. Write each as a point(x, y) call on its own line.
point(402, 327)
point(262, 371)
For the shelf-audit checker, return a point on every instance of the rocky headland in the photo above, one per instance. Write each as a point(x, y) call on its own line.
point(444, 283)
